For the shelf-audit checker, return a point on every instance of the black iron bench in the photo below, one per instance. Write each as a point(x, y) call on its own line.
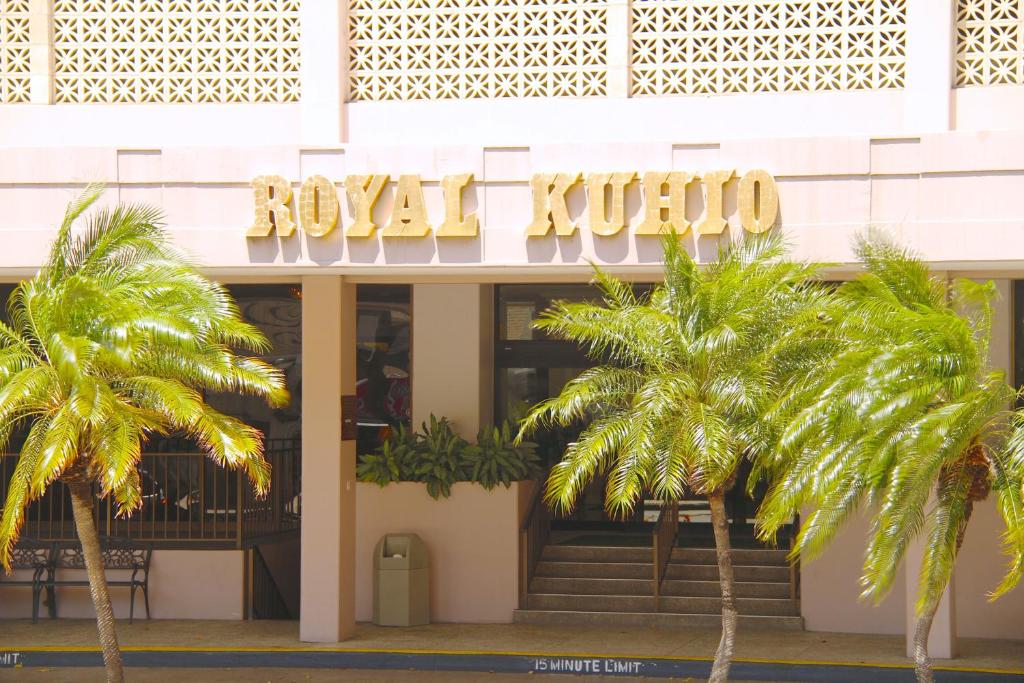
point(37, 556)
point(117, 553)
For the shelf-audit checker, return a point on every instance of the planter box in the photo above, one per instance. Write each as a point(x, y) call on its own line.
point(472, 536)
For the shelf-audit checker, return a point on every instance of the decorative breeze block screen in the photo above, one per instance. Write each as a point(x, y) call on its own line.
point(462, 49)
point(989, 42)
point(14, 51)
point(714, 47)
point(176, 51)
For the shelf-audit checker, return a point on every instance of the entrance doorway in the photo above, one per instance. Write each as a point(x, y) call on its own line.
point(531, 367)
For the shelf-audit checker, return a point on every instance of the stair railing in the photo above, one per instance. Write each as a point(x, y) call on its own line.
point(666, 530)
point(533, 536)
point(794, 564)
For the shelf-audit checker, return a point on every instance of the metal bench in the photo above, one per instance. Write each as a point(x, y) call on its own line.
point(39, 557)
point(118, 554)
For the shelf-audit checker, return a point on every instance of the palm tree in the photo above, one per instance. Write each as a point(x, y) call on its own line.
point(903, 415)
point(112, 341)
point(676, 402)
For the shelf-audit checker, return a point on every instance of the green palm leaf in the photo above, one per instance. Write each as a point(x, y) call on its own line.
point(112, 341)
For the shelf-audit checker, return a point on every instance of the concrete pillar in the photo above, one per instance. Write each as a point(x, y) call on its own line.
point(1001, 348)
point(931, 42)
point(942, 639)
point(40, 56)
point(453, 355)
point(617, 13)
point(324, 71)
point(327, 598)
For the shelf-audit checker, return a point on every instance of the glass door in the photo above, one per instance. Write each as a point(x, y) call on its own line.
point(531, 367)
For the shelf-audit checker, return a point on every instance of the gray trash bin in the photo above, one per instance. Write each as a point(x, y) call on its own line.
point(401, 581)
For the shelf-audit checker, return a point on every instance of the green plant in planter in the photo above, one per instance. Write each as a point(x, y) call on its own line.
point(393, 458)
point(438, 457)
point(438, 461)
point(495, 458)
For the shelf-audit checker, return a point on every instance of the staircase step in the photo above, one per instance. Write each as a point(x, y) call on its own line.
point(595, 553)
point(751, 606)
point(591, 603)
point(760, 557)
point(713, 589)
point(587, 586)
point(596, 570)
point(660, 620)
point(709, 572)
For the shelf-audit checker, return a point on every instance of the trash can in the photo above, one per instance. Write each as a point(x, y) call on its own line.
point(401, 581)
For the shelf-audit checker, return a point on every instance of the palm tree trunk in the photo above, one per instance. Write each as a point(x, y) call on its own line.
point(81, 504)
point(726, 646)
point(922, 664)
point(923, 629)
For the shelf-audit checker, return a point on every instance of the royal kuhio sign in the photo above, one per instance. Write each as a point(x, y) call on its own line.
point(664, 199)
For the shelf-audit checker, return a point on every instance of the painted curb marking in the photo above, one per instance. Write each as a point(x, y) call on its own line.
point(802, 672)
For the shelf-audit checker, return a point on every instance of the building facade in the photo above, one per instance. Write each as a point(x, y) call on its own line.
point(428, 173)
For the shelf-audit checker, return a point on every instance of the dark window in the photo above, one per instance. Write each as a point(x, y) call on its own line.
point(383, 328)
point(531, 366)
point(277, 311)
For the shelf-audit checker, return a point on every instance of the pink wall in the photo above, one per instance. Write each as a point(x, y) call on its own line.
point(183, 584)
point(473, 539)
point(979, 569)
point(927, 189)
point(830, 589)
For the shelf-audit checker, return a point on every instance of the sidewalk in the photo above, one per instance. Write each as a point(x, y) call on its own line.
point(162, 641)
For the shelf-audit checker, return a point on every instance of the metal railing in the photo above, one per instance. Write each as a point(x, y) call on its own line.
point(533, 536)
point(794, 564)
point(666, 530)
point(187, 499)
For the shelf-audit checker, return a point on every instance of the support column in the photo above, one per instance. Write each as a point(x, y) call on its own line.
point(324, 71)
point(328, 464)
point(40, 56)
point(617, 13)
point(928, 96)
point(452, 355)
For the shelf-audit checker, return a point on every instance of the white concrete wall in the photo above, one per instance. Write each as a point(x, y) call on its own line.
point(953, 196)
point(979, 570)
point(697, 119)
point(830, 589)
point(149, 125)
point(473, 539)
point(183, 584)
point(452, 355)
point(981, 563)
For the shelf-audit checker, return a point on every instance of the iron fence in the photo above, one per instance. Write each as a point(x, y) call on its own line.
point(187, 499)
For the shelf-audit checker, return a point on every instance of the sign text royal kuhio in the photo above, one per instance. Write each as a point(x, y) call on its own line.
point(664, 198)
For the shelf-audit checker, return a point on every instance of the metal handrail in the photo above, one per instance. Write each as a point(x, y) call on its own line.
point(533, 536)
point(794, 565)
point(666, 531)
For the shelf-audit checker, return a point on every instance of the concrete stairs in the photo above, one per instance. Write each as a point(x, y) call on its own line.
point(614, 586)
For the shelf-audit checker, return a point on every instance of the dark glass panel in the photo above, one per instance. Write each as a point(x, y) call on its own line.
point(383, 328)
